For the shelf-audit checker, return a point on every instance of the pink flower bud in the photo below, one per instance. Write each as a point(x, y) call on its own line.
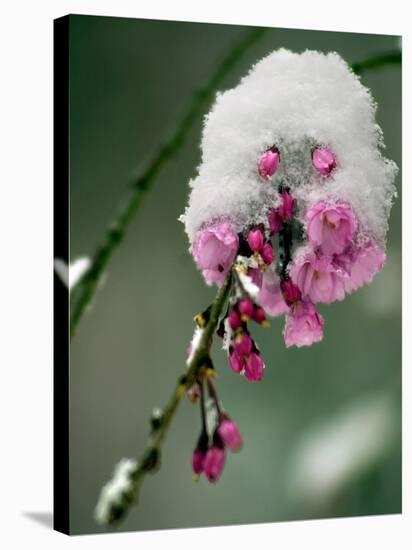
point(254, 367)
point(259, 316)
point(290, 291)
point(243, 344)
point(255, 239)
point(320, 278)
point(234, 319)
point(198, 460)
point(267, 253)
point(214, 463)
point(274, 221)
point(269, 163)
point(230, 434)
point(323, 160)
point(246, 309)
point(236, 361)
point(286, 207)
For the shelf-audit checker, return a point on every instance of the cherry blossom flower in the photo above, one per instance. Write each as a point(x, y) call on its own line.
point(319, 278)
point(254, 367)
point(269, 163)
point(214, 251)
point(198, 460)
point(214, 463)
point(230, 433)
point(256, 239)
point(304, 326)
point(270, 296)
point(323, 160)
point(331, 226)
point(362, 263)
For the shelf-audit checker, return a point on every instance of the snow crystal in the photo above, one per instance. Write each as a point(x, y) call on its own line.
point(296, 102)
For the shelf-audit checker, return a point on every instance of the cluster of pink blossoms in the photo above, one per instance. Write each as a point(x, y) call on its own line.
point(284, 266)
point(244, 356)
point(284, 225)
point(209, 456)
point(326, 264)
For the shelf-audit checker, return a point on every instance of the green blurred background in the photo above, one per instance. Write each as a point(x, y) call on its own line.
point(322, 431)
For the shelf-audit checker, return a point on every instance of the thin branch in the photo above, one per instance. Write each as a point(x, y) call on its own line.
point(84, 291)
point(150, 458)
point(378, 61)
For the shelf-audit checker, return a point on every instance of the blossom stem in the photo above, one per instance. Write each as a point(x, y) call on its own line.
point(85, 289)
point(285, 244)
point(202, 406)
point(149, 461)
point(213, 395)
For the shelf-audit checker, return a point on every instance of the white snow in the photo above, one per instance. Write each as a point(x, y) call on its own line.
point(114, 491)
point(194, 344)
point(294, 101)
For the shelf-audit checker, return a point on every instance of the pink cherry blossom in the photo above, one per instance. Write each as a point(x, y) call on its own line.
point(230, 434)
point(361, 263)
point(254, 367)
point(214, 463)
point(270, 295)
point(323, 160)
point(267, 253)
point(198, 460)
point(234, 319)
point(259, 316)
point(246, 308)
point(304, 326)
point(269, 163)
point(331, 226)
point(319, 278)
point(243, 343)
point(215, 250)
point(236, 361)
point(290, 291)
point(255, 239)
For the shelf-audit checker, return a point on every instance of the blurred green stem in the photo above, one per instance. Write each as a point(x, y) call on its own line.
point(149, 461)
point(378, 61)
point(85, 289)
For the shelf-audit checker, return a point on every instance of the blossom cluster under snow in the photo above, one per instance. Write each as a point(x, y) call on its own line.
point(295, 101)
point(293, 191)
